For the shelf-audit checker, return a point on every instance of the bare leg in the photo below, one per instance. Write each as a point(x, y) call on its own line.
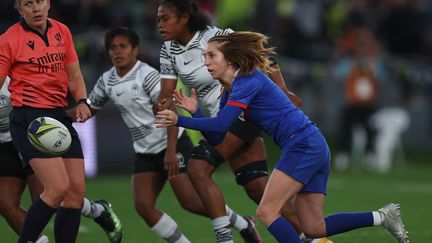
point(186, 194)
point(309, 208)
point(255, 188)
point(200, 174)
point(280, 189)
point(146, 188)
point(11, 189)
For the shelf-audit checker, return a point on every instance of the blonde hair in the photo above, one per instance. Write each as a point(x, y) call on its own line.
point(246, 51)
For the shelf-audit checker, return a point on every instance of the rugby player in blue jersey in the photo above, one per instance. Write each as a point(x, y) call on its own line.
point(238, 61)
point(185, 30)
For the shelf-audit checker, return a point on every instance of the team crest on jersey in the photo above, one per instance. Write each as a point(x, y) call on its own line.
point(3, 101)
point(135, 90)
point(57, 36)
point(30, 44)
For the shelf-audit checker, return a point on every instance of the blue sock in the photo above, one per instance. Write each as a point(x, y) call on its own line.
point(66, 224)
point(283, 231)
point(37, 217)
point(343, 222)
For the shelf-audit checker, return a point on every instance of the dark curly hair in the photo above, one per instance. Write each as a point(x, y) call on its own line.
point(197, 19)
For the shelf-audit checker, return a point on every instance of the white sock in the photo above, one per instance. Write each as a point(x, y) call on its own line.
point(302, 237)
point(43, 239)
point(91, 209)
point(167, 228)
point(236, 221)
point(222, 228)
point(377, 218)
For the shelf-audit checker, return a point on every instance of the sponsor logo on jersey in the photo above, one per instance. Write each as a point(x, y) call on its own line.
point(30, 44)
point(50, 62)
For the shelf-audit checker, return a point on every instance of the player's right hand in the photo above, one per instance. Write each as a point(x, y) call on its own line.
point(160, 105)
point(188, 103)
point(171, 165)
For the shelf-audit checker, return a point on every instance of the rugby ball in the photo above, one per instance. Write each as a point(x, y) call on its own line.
point(48, 135)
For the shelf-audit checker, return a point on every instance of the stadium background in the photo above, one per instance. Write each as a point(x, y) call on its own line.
point(307, 35)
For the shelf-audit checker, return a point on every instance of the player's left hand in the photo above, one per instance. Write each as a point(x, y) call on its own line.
point(166, 118)
point(81, 113)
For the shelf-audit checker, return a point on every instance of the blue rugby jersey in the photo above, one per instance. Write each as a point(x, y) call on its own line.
point(261, 102)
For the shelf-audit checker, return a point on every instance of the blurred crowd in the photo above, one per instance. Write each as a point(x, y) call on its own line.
point(343, 57)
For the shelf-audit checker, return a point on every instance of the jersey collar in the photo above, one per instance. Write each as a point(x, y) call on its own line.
point(194, 37)
point(28, 28)
point(137, 64)
point(44, 36)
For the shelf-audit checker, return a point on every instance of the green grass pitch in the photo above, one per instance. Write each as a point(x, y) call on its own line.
point(353, 191)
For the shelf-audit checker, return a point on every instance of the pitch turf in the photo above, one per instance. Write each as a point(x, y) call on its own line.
point(353, 191)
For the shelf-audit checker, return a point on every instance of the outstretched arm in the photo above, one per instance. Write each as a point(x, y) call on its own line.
point(221, 123)
point(191, 105)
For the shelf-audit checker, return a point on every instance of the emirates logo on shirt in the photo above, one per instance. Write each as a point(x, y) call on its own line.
point(30, 44)
point(57, 36)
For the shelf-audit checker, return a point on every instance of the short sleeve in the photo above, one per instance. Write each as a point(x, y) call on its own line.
point(151, 85)
point(167, 68)
point(71, 55)
point(5, 56)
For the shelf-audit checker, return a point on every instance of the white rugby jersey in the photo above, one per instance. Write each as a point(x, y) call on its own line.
point(133, 95)
point(187, 63)
point(5, 108)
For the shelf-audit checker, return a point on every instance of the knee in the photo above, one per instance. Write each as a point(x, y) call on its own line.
point(58, 191)
point(143, 208)
point(266, 214)
point(254, 192)
point(192, 207)
point(314, 230)
point(77, 190)
point(197, 172)
point(253, 177)
point(7, 206)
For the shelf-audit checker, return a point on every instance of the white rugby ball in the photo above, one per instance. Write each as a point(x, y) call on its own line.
point(48, 135)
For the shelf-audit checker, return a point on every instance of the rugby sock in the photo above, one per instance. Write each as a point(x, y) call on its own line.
point(37, 217)
point(377, 218)
point(43, 239)
point(66, 224)
point(343, 222)
point(221, 226)
point(167, 228)
point(283, 231)
point(236, 221)
point(91, 209)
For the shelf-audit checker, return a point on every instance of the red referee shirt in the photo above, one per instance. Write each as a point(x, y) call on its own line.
point(36, 64)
